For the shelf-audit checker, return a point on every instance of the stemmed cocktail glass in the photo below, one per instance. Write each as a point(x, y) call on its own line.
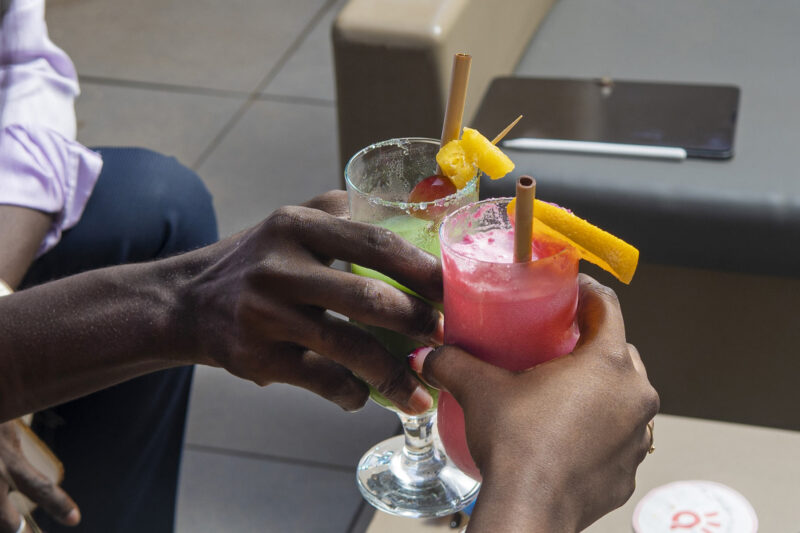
point(407, 475)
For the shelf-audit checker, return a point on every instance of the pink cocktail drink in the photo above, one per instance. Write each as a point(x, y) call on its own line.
point(513, 315)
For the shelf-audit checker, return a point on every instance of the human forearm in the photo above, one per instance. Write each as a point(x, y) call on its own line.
point(21, 233)
point(255, 304)
point(71, 337)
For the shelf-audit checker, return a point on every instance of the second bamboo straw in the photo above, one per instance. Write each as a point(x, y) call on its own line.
point(523, 219)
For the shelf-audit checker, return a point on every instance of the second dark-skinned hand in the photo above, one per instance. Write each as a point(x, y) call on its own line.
point(557, 445)
point(256, 304)
point(30, 482)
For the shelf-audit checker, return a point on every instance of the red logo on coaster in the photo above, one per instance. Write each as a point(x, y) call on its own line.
point(690, 519)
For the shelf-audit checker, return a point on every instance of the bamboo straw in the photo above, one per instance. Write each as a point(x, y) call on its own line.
point(523, 219)
point(454, 112)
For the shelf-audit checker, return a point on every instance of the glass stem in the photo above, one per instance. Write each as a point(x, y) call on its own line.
point(411, 476)
point(418, 432)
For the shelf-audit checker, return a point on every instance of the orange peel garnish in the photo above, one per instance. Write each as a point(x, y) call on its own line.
point(592, 243)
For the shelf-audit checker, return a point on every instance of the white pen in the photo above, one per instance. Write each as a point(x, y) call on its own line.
point(602, 148)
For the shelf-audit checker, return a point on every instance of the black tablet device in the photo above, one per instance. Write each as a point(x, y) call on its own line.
point(699, 119)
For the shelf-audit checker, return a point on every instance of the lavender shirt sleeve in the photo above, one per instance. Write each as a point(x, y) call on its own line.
point(42, 167)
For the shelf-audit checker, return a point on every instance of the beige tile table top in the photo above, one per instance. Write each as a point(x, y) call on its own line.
point(762, 464)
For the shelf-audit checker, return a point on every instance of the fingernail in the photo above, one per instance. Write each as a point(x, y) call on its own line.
point(420, 400)
point(417, 358)
point(437, 337)
point(74, 517)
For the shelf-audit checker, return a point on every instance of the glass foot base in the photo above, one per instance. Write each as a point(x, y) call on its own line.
point(402, 484)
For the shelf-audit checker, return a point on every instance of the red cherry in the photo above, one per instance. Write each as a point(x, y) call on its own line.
point(432, 188)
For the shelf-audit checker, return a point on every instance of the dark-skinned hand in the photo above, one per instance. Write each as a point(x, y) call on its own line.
point(50, 497)
point(258, 300)
point(557, 445)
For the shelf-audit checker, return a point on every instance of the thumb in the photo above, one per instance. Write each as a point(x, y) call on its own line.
point(457, 371)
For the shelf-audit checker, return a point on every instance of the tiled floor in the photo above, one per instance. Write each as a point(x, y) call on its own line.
point(243, 92)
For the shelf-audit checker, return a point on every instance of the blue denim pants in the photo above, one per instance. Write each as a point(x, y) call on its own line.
point(121, 447)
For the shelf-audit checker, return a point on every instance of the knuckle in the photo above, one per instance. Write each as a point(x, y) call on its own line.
point(347, 395)
point(418, 318)
point(619, 359)
point(287, 218)
point(607, 293)
point(340, 340)
point(378, 238)
point(398, 311)
point(260, 375)
point(426, 320)
point(355, 401)
point(353, 344)
point(602, 291)
point(369, 294)
point(262, 381)
point(19, 468)
point(41, 490)
point(438, 368)
point(394, 384)
point(251, 366)
point(436, 361)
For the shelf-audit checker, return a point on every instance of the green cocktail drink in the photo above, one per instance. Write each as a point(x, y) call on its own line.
point(407, 475)
point(422, 234)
